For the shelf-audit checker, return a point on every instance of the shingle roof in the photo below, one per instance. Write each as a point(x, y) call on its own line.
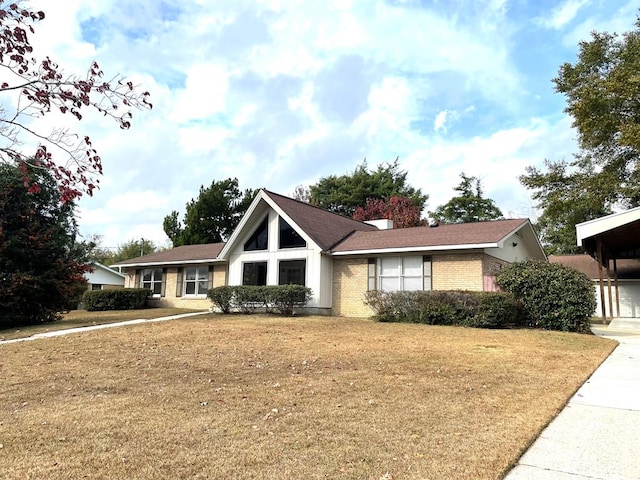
point(185, 253)
point(441, 236)
point(324, 227)
point(627, 269)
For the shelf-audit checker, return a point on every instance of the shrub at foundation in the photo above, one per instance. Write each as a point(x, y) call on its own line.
point(283, 299)
point(116, 299)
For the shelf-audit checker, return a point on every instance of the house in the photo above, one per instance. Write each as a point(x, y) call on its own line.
point(280, 240)
point(103, 278)
point(626, 297)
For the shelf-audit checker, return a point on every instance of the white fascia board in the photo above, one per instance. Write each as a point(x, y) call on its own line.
point(183, 262)
point(442, 248)
point(594, 227)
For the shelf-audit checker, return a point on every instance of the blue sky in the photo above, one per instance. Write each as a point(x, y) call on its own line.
point(280, 93)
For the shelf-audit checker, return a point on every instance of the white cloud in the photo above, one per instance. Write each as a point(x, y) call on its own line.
point(562, 14)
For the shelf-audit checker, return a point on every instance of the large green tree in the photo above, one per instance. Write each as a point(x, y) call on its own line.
point(602, 90)
point(343, 194)
point(41, 263)
point(125, 251)
point(211, 217)
point(469, 206)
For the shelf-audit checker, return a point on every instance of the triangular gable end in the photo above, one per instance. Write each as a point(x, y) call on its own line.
point(250, 216)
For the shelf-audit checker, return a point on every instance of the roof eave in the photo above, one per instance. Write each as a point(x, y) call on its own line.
point(431, 248)
point(175, 262)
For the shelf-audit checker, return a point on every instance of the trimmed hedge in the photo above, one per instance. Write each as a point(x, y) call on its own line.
point(116, 299)
point(553, 296)
point(283, 299)
point(471, 309)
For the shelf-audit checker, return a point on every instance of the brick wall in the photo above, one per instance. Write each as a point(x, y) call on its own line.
point(350, 280)
point(462, 271)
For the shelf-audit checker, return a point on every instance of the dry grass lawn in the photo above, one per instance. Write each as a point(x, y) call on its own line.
point(269, 398)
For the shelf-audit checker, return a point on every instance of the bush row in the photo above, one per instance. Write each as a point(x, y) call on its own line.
point(471, 309)
point(116, 299)
point(248, 298)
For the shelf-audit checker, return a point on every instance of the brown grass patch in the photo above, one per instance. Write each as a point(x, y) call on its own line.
point(82, 318)
point(272, 398)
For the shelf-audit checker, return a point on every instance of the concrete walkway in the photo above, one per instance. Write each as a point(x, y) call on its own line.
point(57, 333)
point(597, 435)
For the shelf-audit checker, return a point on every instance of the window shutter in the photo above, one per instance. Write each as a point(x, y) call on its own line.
point(137, 278)
point(179, 280)
point(371, 273)
point(164, 282)
point(210, 281)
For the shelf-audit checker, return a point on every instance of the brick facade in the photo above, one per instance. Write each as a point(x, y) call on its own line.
point(350, 280)
point(461, 271)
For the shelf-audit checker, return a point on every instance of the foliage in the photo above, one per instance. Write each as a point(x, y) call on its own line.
point(248, 298)
point(469, 206)
point(35, 88)
point(116, 299)
point(302, 194)
point(400, 210)
point(212, 217)
point(567, 196)
point(41, 264)
point(345, 193)
point(471, 309)
point(553, 296)
point(125, 251)
point(601, 90)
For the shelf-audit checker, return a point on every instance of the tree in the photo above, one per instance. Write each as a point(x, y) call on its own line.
point(125, 251)
point(212, 217)
point(602, 92)
point(400, 210)
point(469, 206)
point(37, 87)
point(345, 193)
point(41, 263)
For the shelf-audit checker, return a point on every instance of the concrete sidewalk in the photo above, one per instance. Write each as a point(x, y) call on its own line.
point(67, 331)
point(597, 435)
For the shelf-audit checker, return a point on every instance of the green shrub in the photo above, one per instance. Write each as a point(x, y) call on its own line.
point(451, 307)
point(116, 299)
point(553, 296)
point(249, 298)
point(222, 297)
point(495, 310)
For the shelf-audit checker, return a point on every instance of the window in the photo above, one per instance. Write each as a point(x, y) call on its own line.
point(96, 286)
point(152, 279)
point(254, 273)
point(291, 272)
point(288, 237)
point(404, 274)
point(259, 240)
point(196, 280)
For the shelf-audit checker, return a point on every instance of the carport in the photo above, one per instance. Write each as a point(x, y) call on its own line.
point(609, 239)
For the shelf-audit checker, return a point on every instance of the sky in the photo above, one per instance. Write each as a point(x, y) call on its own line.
point(280, 93)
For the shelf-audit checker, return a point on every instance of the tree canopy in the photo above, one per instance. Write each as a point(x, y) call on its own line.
point(469, 206)
point(130, 249)
point(41, 263)
point(602, 89)
point(400, 210)
point(34, 87)
point(343, 194)
point(211, 217)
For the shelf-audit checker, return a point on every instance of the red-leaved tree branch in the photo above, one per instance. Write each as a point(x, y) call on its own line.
point(40, 87)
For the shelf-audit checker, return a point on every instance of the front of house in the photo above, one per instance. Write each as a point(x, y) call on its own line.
point(283, 241)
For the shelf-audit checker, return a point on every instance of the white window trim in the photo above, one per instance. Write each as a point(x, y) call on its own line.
point(197, 281)
point(153, 281)
point(400, 273)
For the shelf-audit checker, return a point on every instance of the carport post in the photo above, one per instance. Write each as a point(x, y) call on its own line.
point(615, 281)
point(609, 289)
point(602, 305)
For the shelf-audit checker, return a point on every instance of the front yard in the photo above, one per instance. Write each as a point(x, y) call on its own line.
point(257, 397)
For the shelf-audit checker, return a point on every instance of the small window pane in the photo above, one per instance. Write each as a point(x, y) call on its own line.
point(389, 284)
point(288, 237)
point(190, 288)
point(412, 266)
point(388, 266)
point(260, 238)
point(412, 283)
point(190, 274)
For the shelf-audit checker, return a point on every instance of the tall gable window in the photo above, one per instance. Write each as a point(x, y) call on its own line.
point(288, 237)
point(259, 240)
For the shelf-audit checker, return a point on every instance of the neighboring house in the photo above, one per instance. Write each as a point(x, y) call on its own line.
point(103, 278)
point(628, 276)
point(280, 241)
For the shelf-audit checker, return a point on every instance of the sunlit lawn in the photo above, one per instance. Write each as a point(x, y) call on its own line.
point(213, 397)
